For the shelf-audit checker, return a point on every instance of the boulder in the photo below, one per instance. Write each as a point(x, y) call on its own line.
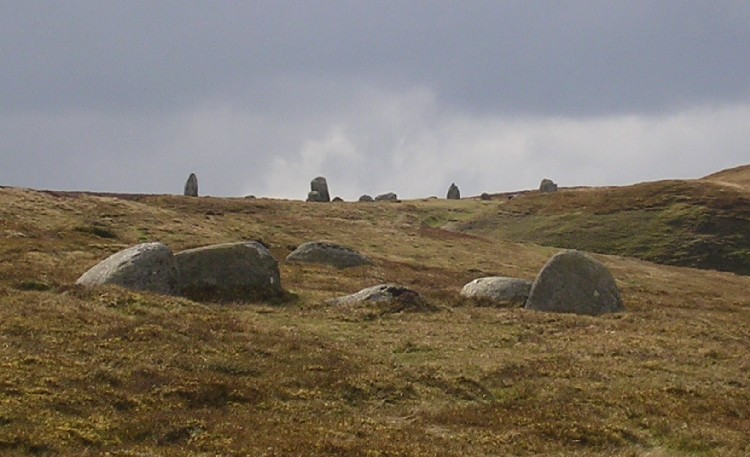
point(337, 199)
point(498, 290)
point(453, 192)
point(387, 298)
point(149, 267)
point(388, 197)
point(366, 198)
point(314, 196)
point(191, 186)
point(319, 185)
point(547, 185)
point(573, 282)
point(230, 271)
point(325, 253)
point(485, 196)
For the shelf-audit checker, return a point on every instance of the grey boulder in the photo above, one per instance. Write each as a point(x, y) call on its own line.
point(573, 282)
point(498, 290)
point(230, 271)
point(387, 197)
point(366, 198)
point(387, 298)
point(547, 185)
point(322, 252)
point(148, 267)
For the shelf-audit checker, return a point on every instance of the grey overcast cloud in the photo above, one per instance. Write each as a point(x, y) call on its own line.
point(259, 97)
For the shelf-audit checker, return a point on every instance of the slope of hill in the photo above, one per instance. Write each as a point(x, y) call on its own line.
point(116, 372)
point(738, 177)
point(699, 223)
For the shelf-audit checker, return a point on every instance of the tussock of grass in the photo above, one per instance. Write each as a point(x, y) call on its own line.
point(105, 370)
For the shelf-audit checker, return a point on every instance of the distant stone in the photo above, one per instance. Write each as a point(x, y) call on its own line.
point(388, 197)
point(319, 185)
point(191, 186)
point(148, 267)
point(250, 197)
point(366, 198)
point(485, 196)
point(573, 282)
point(498, 290)
point(230, 271)
point(325, 253)
point(453, 192)
point(337, 199)
point(387, 298)
point(547, 185)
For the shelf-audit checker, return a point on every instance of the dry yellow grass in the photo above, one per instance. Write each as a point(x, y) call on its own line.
point(91, 372)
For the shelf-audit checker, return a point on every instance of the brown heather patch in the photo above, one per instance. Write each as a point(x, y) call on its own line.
point(91, 372)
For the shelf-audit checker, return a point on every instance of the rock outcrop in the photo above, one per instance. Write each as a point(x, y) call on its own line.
point(230, 271)
point(148, 267)
point(453, 192)
point(547, 185)
point(573, 282)
point(498, 290)
point(385, 298)
point(319, 190)
point(387, 197)
point(191, 186)
point(321, 252)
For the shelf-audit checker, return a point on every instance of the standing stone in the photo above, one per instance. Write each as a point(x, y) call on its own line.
point(573, 282)
point(191, 186)
point(453, 192)
point(149, 266)
point(320, 186)
point(547, 185)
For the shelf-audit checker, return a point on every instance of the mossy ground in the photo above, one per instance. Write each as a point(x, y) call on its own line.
point(697, 224)
point(110, 371)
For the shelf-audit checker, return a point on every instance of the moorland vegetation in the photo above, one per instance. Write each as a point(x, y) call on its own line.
point(124, 373)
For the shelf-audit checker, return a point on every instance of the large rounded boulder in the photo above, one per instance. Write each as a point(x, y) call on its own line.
point(325, 253)
point(498, 290)
point(573, 282)
point(230, 271)
point(148, 267)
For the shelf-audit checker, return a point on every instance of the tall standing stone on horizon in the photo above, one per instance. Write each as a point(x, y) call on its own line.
point(191, 186)
point(453, 192)
point(547, 185)
point(319, 186)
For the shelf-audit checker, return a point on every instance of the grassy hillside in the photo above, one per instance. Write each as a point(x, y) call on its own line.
point(701, 224)
point(116, 372)
point(738, 177)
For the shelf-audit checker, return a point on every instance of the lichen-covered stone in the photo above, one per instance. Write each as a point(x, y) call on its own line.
point(573, 282)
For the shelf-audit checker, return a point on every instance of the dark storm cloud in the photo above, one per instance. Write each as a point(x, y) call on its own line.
point(406, 96)
point(580, 58)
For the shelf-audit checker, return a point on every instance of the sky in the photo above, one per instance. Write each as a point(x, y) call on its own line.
point(406, 96)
